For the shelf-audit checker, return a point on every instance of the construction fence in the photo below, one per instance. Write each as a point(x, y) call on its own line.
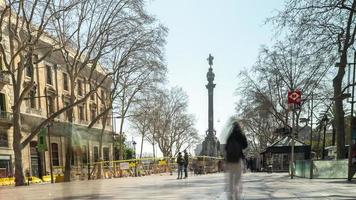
point(127, 168)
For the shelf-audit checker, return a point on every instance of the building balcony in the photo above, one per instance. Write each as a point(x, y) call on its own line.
point(34, 111)
point(5, 119)
point(4, 79)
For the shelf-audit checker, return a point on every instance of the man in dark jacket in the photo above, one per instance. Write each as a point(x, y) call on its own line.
point(186, 162)
point(180, 163)
point(235, 144)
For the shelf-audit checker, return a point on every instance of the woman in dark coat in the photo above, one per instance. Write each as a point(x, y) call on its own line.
point(235, 144)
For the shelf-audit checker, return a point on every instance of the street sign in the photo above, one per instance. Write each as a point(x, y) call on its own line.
point(294, 97)
point(41, 140)
point(124, 165)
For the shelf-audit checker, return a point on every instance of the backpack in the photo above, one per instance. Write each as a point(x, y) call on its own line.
point(233, 150)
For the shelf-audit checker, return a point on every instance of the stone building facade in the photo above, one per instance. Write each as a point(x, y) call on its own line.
point(52, 91)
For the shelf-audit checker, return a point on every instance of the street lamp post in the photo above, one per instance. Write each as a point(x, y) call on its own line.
point(325, 120)
point(292, 148)
point(311, 136)
point(134, 146)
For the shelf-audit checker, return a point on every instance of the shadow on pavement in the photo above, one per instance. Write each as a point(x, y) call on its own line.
point(91, 196)
point(343, 182)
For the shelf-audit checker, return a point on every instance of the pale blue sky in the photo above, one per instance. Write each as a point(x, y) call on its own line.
point(231, 30)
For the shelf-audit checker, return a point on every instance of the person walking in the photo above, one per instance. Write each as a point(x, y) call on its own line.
point(186, 162)
point(180, 162)
point(234, 156)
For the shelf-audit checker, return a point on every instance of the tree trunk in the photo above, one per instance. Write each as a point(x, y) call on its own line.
point(121, 151)
point(69, 148)
point(69, 152)
point(19, 174)
point(143, 135)
point(334, 131)
point(339, 111)
point(100, 165)
point(17, 137)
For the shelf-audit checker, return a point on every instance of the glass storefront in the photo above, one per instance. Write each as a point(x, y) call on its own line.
point(5, 166)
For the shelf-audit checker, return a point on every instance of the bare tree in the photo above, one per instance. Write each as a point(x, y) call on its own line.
point(80, 35)
point(24, 25)
point(88, 33)
point(132, 85)
point(134, 71)
point(135, 62)
point(288, 65)
point(140, 121)
point(328, 27)
point(144, 114)
point(171, 126)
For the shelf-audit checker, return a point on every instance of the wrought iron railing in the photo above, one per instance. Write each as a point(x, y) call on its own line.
point(34, 111)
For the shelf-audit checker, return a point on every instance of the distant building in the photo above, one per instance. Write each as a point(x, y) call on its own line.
point(278, 154)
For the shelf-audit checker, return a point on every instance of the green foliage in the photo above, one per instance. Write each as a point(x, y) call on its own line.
point(117, 146)
point(129, 153)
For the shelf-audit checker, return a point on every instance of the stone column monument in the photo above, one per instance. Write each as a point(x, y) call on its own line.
point(211, 145)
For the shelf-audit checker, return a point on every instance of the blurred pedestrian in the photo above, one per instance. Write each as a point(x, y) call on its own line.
point(180, 163)
point(235, 144)
point(186, 162)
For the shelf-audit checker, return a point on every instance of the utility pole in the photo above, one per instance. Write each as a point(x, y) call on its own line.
point(311, 135)
point(294, 100)
point(292, 137)
point(325, 119)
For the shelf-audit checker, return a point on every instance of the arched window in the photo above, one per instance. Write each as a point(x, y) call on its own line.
point(55, 154)
point(96, 154)
point(85, 154)
point(49, 75)
point(106, 153)
point(4, 139)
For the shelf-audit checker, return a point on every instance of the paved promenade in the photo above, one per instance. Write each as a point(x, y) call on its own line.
point(255, 186)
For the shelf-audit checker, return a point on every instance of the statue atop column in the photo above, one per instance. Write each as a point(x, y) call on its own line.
point(210, 59)
point(211, 145)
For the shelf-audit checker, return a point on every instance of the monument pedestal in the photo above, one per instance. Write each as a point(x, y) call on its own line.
point(211, 146)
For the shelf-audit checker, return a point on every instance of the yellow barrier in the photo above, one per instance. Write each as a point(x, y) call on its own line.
point(137, 167)
point(11, 180)
point(59, 179)
point(48, 178)
point(7, 181)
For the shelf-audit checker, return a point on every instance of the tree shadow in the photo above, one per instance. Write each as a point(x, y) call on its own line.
point(87, 196)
